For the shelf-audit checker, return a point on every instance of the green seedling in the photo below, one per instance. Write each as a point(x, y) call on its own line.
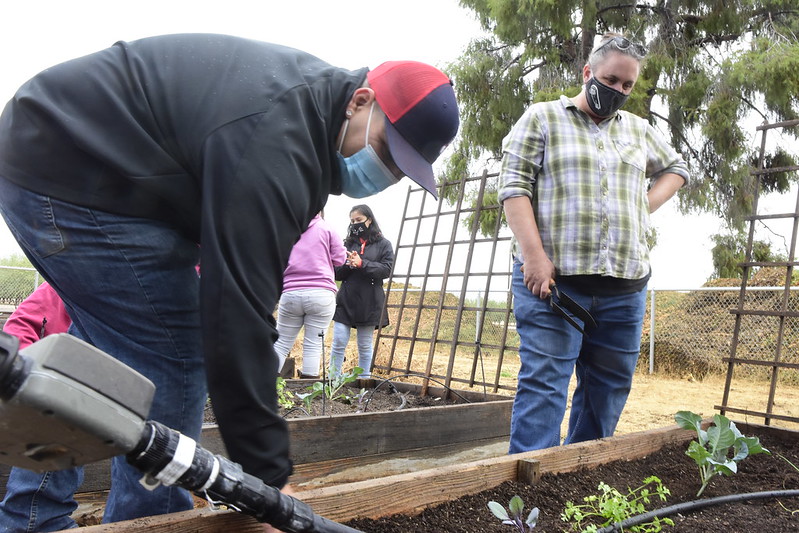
point(333, 388)
point(612, 506)
point(284, 398)
point(358, 399)
point(513, 515)
point(714, 446)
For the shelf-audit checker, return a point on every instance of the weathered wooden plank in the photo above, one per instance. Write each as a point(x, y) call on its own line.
point(528, 471)
point(317, 439)
point(325, 438)
point(350, 469)
point(204, 520)
point(764, 432)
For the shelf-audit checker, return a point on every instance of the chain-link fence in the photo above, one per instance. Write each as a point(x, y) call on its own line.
point(16, 283)
point(690, 335)
point(693, 332)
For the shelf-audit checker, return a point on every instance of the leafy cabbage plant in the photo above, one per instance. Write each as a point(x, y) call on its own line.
point(719, 449)
point(333, 388)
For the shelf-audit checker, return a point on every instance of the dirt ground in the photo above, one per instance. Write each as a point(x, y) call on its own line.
point(654, 400)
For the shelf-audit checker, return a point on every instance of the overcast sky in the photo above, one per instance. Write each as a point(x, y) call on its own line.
point(35, 34)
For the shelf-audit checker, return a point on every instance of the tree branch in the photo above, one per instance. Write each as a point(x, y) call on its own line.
point(679, 132)
point(690, 19)
point(497, 48)
point(625, 6)
point(531, 68)
point(771, 14)
point(714, 39)
point(753, 108)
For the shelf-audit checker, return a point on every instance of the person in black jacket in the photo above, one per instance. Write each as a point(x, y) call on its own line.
point(360, 300)
point(122, 170)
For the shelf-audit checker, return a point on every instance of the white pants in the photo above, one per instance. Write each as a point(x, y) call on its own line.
point(312, 308)
point(341, 337)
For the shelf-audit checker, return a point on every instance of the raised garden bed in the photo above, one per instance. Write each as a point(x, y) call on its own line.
point(328, 445)
point(349, 445)
point(412, 493)
point(677, 472)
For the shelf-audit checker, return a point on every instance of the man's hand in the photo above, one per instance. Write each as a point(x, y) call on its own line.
point(539, 274)
point(537, 268)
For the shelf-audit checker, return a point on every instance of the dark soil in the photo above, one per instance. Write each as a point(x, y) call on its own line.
point(380, 399)
point(677, 471)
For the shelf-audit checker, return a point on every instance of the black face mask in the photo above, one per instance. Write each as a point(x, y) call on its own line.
point(359, 230)
point(603, 100)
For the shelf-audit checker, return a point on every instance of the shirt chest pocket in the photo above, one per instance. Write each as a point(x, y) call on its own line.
point(631, 152)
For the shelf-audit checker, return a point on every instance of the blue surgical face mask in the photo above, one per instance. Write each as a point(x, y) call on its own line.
point(363, 173)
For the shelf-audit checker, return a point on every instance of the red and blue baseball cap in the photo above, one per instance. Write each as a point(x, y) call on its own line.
point(422, 115)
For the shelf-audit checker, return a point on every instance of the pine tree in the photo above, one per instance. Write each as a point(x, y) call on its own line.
point(715, 70)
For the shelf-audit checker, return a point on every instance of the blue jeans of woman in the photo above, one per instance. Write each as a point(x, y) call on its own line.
point(341, 337)
point(603, 359)
point(131, 289)
point(309, 308)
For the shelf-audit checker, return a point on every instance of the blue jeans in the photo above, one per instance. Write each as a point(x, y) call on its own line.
point(309, 308)
point(551, 349)
point(341, 337)
point(131, 289)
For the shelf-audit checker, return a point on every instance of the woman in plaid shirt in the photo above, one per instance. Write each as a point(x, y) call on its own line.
point(579, 180)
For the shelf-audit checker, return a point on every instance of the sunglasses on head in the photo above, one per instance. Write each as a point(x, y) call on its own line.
point(624, 44)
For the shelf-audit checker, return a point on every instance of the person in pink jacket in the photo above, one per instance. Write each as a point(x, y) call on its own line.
point(309, 294)
point(40, 314)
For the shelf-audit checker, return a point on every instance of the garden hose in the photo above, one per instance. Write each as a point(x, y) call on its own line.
point(695, 505)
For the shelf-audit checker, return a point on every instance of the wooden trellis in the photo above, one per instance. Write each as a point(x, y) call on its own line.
point(449, 294)
point(784, 365)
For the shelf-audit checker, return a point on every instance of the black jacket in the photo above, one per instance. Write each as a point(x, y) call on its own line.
point(229, 140)
point(360, 298)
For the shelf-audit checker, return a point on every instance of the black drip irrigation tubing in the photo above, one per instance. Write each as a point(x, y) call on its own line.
point(388, 380)
point(293, 409)
point(696, 505)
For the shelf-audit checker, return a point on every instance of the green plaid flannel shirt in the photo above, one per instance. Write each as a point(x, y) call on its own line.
point(588, 183)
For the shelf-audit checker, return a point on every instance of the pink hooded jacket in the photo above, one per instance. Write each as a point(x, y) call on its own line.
point(313, 258)
point(40, 314)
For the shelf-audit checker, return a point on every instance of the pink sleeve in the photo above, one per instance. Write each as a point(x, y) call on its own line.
point(40, 314)
point(338, 253)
